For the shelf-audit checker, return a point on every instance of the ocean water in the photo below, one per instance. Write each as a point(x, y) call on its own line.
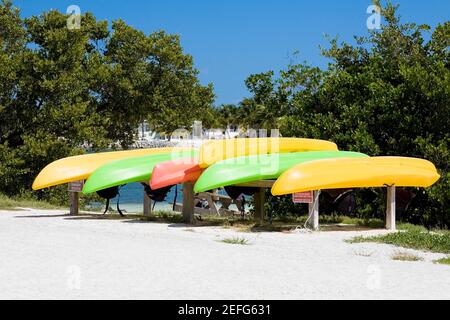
point(132, 199)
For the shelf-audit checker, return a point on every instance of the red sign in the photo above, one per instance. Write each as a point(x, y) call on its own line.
point(303, 197)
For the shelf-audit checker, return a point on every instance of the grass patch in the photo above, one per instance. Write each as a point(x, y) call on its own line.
point(404, 256)
point(288, 224)
point(443, 261)
point(369, 223)
point(411, 228)
point(164, 216)
point(236, 240)
point(335, 219)
point(413, 237)
point(7, 203)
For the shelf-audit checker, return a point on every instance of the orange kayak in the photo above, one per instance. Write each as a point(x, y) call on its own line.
point(175, 172)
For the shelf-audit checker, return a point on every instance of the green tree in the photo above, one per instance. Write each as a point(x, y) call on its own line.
point(389, 94)
point(13, 40)
point(151, 79)
point(64, 91)
point(263, 109)
point(227, 115)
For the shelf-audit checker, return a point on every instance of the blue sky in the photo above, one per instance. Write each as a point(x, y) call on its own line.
point(231, 39)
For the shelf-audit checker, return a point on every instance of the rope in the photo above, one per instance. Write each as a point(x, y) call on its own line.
point(107, 206)
point(175, 198)
point(118, 200)
point(311, 212)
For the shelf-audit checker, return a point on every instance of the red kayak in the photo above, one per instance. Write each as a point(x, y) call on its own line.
point(175, 172)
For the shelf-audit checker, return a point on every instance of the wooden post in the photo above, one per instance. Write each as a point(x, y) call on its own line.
point(390, 210)
point(147, 205)
point(74, 189)
point(74, 203)
point(212, 205)
point(188, 203)
point(260, 199)
point(314, 211)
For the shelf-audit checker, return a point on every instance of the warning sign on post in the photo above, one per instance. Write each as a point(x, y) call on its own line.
point(76, 186)
point(303, 197)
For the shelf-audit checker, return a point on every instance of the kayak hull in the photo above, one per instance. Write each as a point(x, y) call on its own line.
point(260, 167)
point(81, 167)
point(137, 169)
point(356, 173)
point(214, 151)
point(175, 172)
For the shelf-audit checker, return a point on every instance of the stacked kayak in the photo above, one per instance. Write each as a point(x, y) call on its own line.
point(356, 173)
point(296, 164)
point(212, 152)
point(175, 172)
point(186, 166)
point(81, 167)
point(106, 170)
point(217, 150)
point(137, 169)
point(261, 167)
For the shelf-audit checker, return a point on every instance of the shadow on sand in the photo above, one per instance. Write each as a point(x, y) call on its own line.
point(176, 222)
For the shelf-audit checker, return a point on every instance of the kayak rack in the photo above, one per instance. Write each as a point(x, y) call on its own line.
point(188, 208)
point(213, 209)
point(190, 201)
point(260, 199)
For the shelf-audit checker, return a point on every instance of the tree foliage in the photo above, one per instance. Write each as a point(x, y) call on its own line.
point(389, 94)
point(61, 89)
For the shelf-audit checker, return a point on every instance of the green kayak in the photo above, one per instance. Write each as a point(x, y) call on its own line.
point(260, 167)
point(137, 169)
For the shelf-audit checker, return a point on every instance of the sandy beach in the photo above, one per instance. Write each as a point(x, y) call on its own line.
point(48, 255)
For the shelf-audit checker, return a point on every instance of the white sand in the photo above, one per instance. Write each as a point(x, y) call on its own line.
point(46, 256)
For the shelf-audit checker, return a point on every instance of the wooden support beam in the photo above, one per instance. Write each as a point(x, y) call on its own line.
point(258, 184)
point(188, 202)
point(391, 209)
point(74, 203)
point(74, 189)
point(314, 212)
point(212, 205)
point(147, 205)
point(260, 199)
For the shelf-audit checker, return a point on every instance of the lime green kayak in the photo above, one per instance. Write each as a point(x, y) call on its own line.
point(136, 169)
point(263, 167)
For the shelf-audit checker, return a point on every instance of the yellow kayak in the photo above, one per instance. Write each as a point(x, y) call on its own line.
point(356, 173)
point(81, 167)
point(214, 151)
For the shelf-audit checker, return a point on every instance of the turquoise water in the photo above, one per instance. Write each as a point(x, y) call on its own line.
point(132, 199)
point(132, 195)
